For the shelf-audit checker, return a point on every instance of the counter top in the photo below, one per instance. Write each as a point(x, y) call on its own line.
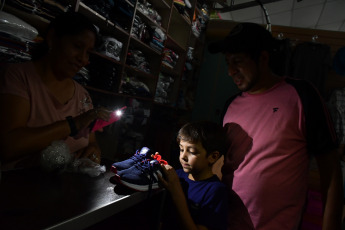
point(32, 199)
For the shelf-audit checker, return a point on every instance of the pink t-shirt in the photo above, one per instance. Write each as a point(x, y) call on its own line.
point(267, 162)
point(22, 80)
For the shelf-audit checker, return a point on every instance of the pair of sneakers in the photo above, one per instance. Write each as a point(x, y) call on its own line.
point(139, 172)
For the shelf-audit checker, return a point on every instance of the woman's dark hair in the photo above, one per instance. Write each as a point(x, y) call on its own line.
point(69, 23)
point(210, 134)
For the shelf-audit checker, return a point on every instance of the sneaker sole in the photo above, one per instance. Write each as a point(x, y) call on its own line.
point(141, 188)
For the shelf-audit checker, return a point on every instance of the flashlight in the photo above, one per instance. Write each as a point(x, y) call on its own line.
point(114, 116)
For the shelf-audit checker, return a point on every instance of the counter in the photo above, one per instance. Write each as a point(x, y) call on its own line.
point(32, 199)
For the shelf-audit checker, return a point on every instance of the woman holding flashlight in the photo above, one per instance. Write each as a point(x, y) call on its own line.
point(41, 102)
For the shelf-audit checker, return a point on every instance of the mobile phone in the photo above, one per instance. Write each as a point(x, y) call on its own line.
point(114, 116)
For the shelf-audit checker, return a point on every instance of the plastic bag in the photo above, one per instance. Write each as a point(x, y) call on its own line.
point(86, 166)
point(57, 158)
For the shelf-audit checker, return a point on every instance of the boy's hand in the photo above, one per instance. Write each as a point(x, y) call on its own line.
point(171, 181)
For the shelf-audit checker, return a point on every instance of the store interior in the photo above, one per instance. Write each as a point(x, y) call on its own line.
point(153, 60)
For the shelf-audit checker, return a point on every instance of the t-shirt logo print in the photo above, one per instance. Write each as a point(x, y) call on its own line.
point(275, 110)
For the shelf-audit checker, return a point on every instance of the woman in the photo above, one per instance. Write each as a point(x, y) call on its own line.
point(41, 102)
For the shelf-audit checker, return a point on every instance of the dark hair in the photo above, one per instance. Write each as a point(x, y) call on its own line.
point(246, 37)
point(68, 23)
point(210, 134)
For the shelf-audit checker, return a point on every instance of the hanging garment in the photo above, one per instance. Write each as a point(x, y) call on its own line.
point(311, 61)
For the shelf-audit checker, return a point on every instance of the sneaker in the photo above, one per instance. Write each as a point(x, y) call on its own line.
point(140, 155)
point(143, 176)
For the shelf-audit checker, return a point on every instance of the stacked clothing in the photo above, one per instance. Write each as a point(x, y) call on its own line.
point(158, 38)
point(136, 59)
point(133, 86)
point(118, 12)
point(184, 8)
point(200, 21)
point(140, 30)
point(164, 86)
point(47, 9)
point(181, 5)
point(147, 9)
point(110, 47)
point(170, 58)
point(151, 35)
point(17, 39)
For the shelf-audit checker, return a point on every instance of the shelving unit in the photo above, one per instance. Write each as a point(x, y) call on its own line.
point(153, 115)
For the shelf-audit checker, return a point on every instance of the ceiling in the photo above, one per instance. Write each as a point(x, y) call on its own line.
point(313, 14)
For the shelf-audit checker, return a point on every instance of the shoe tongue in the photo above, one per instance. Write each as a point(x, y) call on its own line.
point(144, 151)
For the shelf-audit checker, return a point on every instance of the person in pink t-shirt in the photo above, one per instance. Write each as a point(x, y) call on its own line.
point(41, 102)
point(275, 125)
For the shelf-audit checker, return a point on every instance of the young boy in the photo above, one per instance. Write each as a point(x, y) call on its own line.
point(198, 195)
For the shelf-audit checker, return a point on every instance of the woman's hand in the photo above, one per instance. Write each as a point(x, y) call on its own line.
point(84, 120)
point(92, 151)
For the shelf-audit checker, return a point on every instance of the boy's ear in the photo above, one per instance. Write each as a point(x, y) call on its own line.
point(213, 157)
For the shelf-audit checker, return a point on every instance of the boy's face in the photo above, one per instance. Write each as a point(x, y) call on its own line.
point(193, 159)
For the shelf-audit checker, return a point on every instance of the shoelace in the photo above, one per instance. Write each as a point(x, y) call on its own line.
point(159, 159)
point(137, 156)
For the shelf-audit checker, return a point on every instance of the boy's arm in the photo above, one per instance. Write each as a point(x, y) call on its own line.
point(172, 183)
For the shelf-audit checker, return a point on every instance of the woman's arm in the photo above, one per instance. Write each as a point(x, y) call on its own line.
point(18, 140)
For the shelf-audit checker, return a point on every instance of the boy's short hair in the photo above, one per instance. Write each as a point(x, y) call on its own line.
point(210, 134)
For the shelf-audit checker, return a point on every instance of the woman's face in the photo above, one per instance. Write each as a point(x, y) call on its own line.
point(69, 53)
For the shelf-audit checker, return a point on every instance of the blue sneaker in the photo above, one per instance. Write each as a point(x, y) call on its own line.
point(140, 155)
point(142, 176)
